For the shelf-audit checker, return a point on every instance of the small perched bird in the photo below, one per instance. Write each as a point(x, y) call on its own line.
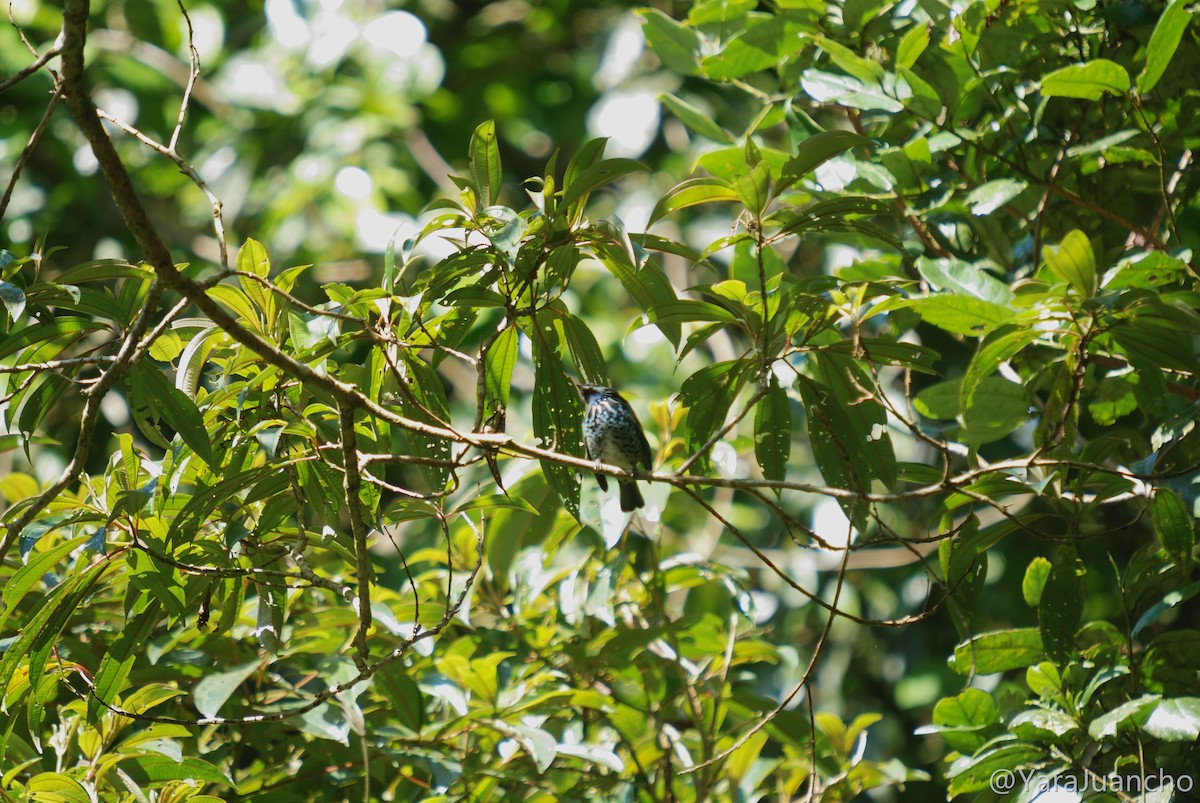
point(614, 435)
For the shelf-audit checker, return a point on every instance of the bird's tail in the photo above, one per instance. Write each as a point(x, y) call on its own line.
point(631, 497)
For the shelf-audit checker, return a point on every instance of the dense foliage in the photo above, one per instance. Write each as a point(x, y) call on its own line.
point(903, 293)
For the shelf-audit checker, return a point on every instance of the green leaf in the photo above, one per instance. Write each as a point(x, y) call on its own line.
point(941, 402)
point(557, 413)
point(588, 154)
point(1073, 262)
point(1170, 600)
point(860, 419)
point(998, 651)
point(1125, 716)
point(176, 409)
point(269, 617)
point(99, 270)
point(62, 332)
point(1168, 31)
point(1036, 574)
point(699, 122)
point(864, 69)
point(52, 786)
point(964, 279)
point(596, 176)
point(159, 768)
point(773, 432)
point(1147, 270)
point(1174, 524)
point(961, 315)
point(760, 46)
point(205, 499)
point(1044, 679)
point(1150, 347)
point(883, 351)
point(677, 45)
point(13, 298)
point(484, 156)
point(36, 399)
point(912, 45)
point(708, 394)
point(991, 195)
point(41, 630)
point(845, 90)
point(998, 347)
point(648, 286)
point(1114, 398)
point(708, 12)
point(1087, 81)
point(539, 744)
point(966, 720)
point(18, 585)
point(1061, 605)
point(215, 688)
point(754, 190)
point(1041, 725)
point(729, 163)
point(238, 302)
point(499, 361)
point(114, 668)
point(585, 351)
point(426, 401)
point(687, 310)
point(978, 772)
point(1175, 720)
point(816, 151)
point(994, 409)
point(252, 258)
point(692, 192)
point(923, 99)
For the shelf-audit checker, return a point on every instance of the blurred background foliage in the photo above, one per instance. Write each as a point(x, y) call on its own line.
point(327, 128)
point(321, 126)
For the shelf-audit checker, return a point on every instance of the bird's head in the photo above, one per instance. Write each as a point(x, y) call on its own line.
point(589, 392)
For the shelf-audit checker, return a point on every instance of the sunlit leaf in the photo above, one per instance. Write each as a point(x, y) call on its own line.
point(1087, 81)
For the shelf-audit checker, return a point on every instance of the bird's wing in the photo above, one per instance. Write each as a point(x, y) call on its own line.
point(647, 457)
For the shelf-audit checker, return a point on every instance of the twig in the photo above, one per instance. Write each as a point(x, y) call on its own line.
point(186, 168)
point(193, 75)
point(24, 73)
point(352, 485)
point(812, 663)
point(28, 150)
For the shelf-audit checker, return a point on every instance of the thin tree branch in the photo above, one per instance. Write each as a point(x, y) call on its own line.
point(352, 485)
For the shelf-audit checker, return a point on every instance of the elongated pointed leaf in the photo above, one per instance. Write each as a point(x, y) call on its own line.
point(484, 155)
point(597, 176)
point(557, 413)
point(1168, 32)
point(773, 432)
point(699, 122)
point(816, 151)
point(114, 668)
point(692, 192)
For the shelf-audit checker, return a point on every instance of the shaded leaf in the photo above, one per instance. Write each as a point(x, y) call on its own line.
point(215, 688)
point(773, 432)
